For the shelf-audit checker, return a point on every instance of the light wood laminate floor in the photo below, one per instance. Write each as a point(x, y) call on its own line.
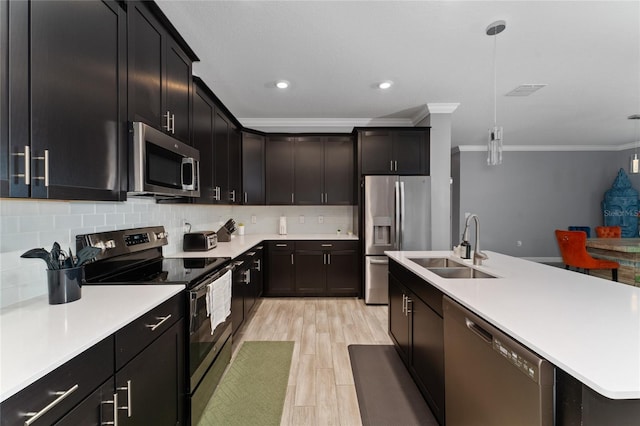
point(321, 391)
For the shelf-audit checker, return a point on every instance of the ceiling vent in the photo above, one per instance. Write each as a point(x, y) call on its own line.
point(525, 89)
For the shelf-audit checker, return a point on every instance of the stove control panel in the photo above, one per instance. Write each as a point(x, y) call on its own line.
point(135, 239)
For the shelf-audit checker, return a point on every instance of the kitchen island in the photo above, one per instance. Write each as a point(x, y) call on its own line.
point(625, 251)
point(588, 327)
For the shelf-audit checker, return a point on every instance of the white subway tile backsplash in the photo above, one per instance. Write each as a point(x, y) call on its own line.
point(26, 224)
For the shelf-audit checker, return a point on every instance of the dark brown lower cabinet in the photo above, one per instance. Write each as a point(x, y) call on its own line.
point(147, 387)
point(151, 384)
point(280, 269)
point(417, 330)
point(312, 268)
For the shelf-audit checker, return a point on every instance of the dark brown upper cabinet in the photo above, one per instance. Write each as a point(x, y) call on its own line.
point(394, 151)
point(324, 170)
point(310, 169)
point(253, 158)
point(279, 170)
point(216, 136)
point(159, 69)
point(65, 132)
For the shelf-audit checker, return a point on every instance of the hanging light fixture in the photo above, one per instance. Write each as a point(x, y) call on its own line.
point(494, 147)
point(634, 167)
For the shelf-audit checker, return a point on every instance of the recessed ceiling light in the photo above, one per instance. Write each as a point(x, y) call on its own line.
point(385, 85)
point(282, 84)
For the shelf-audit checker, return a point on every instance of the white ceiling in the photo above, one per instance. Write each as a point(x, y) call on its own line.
point(335, 52)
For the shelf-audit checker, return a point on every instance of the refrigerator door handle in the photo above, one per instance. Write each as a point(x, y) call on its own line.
point(401, 232)
point(396, 216)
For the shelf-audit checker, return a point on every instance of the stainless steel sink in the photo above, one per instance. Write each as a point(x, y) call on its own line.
point(460, 272)
point(437, 262)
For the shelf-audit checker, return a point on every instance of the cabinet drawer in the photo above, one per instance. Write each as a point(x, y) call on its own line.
point(281, 245)
point(76, 378)
point(326, 245)
point(133, 338)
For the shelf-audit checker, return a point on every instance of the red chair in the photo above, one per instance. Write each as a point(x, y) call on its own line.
point(573, 247)
point(608, 231)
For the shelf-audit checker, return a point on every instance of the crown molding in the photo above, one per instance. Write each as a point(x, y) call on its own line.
point(267, 123)
point(420, 115)
point(442, 108)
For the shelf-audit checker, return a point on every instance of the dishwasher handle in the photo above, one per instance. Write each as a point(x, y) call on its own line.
point(479, 331)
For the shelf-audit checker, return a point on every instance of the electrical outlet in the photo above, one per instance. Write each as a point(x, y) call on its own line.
point(301, 219)
point(320, 219)
point(254, 219)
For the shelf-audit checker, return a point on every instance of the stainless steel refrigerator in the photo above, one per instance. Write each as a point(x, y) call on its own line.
point(397, 216)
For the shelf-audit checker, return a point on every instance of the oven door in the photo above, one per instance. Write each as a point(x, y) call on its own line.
point(204, 344)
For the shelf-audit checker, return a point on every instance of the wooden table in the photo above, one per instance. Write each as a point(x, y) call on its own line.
point(625, 251)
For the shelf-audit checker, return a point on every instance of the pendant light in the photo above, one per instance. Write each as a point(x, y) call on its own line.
point(634, 167)
point(494, 147)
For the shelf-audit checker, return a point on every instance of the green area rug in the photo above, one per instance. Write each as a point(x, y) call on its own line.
point(253, 389)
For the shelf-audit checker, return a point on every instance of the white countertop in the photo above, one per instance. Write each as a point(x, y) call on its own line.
point(240, 244)
point(37, 337)
point(587, 326)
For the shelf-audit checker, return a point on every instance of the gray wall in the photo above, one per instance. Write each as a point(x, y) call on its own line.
point(531, 194)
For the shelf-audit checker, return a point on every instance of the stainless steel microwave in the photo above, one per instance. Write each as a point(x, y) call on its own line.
point(162, 165)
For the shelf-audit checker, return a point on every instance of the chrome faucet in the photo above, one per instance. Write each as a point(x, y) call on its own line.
point(478, 256)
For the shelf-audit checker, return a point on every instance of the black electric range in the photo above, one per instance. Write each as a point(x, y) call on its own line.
point(134, 256)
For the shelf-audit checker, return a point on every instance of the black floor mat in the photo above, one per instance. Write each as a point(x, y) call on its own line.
point(387, 395)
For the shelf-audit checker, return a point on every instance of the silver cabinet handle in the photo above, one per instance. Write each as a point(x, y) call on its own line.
point(246, 198)
point(27, 165)
point(328, 258)
point(327, 245)
point(153, 327)
point(404, 299)
point(391, 165)
point(326, 198)
point(324, 258)
point(321, 197)
point(292, 198)
point(247, 277)
point(127, 407)
point(167, 124)
point(33, 416)
point(45, 158)
point(292, 258)
point(232, 196)
point(173, 123)
point(395, 165)
point(408, 311)
point(258, 265)
point(114, 401)
point(281, 245)
point(216, 193)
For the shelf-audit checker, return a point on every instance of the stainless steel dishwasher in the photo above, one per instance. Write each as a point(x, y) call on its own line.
point(490, 379)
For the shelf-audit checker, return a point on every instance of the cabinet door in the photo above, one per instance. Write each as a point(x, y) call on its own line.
point(237, 296)
point(280, 271)
point(77, 92)
point(145, 67)
point(279, 170)
point(376, 152)
point(427, 354)
point(338, 171)
point(96, 409)
point(409, 152)
point(203, 111)
point(309, 171)
point(178, 90)
point(152, 384)
point(257, 271)
point(342, 272)
point(310, 272)
point(235, 166)
point(398, 319)
point(221, 157)
point(252, 168)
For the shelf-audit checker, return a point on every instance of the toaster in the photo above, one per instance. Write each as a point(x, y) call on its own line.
point(199, 241)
